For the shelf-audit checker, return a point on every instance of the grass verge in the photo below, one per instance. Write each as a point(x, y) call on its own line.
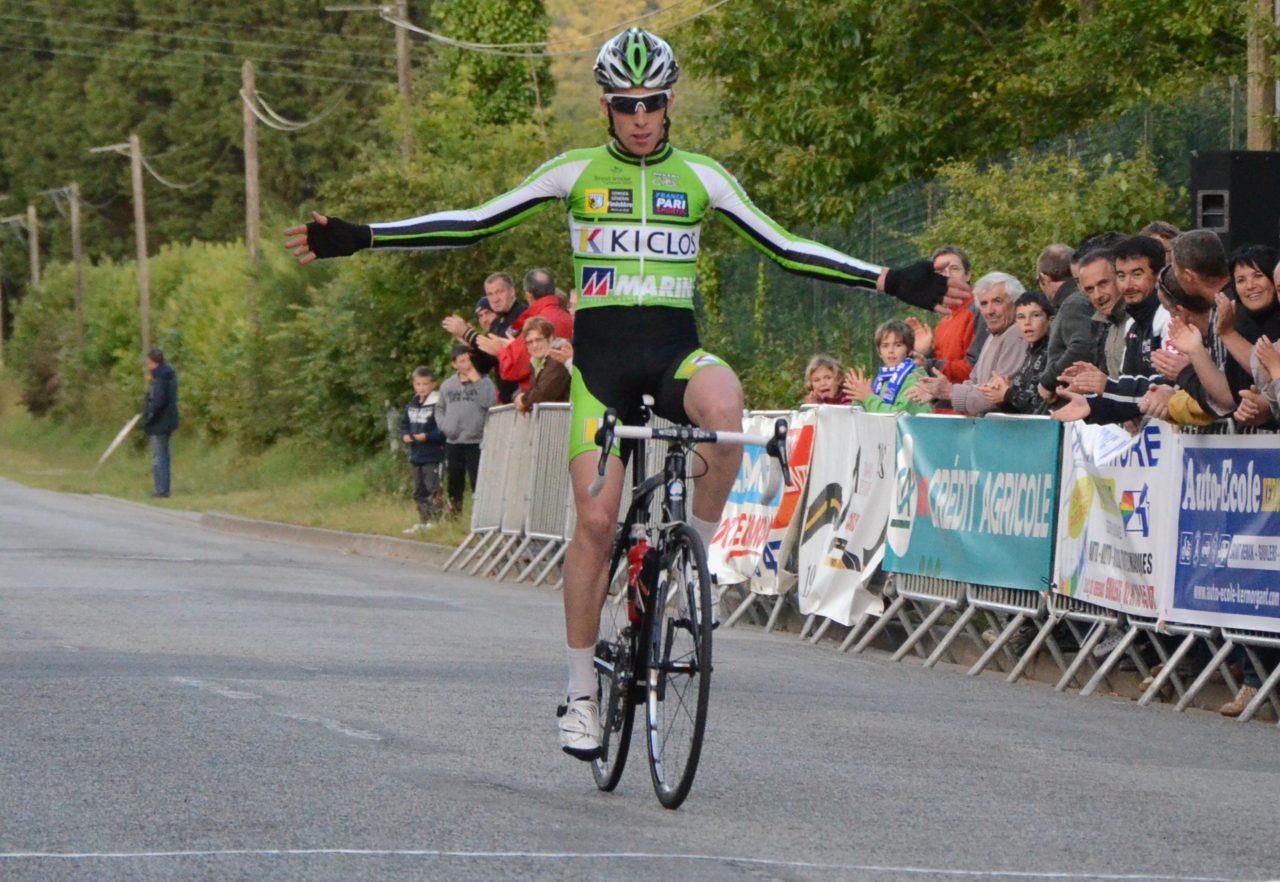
point(291, 482)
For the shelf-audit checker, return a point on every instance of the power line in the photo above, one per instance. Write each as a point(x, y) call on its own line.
point(158, 63)
point(500, 48)
point(195, 38)
point(244, 27)
point(275, 121)
point(170, 50)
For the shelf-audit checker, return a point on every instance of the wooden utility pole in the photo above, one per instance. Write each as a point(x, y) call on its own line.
point(1261, 101)
point(140, 234)
point(133, 149)
point(252, 205)
point(77, 255)
point(33, 245)
point(403, 75)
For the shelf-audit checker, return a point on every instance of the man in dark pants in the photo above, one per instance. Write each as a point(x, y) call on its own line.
point(160, 419)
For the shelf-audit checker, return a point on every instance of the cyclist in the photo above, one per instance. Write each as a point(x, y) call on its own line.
point(635, 207)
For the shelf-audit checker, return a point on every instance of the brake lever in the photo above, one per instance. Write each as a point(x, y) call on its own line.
point(604, 440)
point(777, 448)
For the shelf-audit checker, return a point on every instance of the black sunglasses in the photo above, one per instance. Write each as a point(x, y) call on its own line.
point(631, 104)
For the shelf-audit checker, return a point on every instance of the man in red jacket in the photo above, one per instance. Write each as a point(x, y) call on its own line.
point(511, 352)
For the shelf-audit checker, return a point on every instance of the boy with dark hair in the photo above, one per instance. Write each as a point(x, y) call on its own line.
point(465, 398)
point(160, 419)
point(425, 444)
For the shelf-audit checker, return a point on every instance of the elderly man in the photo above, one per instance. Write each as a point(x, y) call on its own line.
point(1002, 354)
point(500, 301)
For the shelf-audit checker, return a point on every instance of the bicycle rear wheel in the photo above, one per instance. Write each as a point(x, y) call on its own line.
point(615, 676)
point(679, 675)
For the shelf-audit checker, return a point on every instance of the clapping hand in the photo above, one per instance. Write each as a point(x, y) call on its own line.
point(1084, 378)
point(856, 385)
point(995, 389)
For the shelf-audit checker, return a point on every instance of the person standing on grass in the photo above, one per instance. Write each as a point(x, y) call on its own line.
point(425, 444)
point(465, 398)
point(160, 418)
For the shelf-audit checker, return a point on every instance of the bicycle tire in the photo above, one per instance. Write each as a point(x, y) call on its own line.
point(679, 670)
point(615, 676)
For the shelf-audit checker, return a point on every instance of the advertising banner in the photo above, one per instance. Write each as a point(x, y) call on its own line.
point(1116, 517)
point(975, 499)
point(846, 508)
point(1228, 540)
point(752, 540)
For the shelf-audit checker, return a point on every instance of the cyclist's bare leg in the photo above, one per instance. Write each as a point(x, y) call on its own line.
point(588, 552)
point(713, 400)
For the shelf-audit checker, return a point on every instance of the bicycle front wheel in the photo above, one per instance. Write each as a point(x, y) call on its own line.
point(679, 673)
point(615, 676)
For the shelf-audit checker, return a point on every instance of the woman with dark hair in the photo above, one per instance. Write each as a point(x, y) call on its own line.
point(1255, 310)
point(1033, 314)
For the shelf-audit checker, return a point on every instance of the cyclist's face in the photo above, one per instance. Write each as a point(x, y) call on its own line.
point(639, 133)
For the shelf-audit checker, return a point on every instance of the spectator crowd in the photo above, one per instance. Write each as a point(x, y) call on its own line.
point(1119, 328)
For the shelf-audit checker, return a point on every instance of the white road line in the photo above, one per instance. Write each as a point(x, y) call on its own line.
point(224, 691)
point(332, 725)
point(624, 855)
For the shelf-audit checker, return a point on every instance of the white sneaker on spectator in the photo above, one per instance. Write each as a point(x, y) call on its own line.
point(580, 728)
point(417, 528)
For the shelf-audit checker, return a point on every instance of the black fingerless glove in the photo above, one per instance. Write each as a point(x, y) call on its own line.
point(917, 284)
point(338, 238)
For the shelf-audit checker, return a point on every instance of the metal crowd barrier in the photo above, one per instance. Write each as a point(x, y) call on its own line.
point(487, 500)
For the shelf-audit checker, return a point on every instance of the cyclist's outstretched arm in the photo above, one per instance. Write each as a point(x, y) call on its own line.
point(335, 237)
point(916, 284)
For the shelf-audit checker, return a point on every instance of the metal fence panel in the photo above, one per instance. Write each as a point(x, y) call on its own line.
point(495, 451)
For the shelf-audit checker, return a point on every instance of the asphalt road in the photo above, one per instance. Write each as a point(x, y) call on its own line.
point(177, 703)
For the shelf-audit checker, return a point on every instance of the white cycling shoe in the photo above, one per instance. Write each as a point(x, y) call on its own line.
point(580, 728)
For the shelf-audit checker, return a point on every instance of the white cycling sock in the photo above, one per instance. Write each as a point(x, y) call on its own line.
point(704, 529)
point(582, 672)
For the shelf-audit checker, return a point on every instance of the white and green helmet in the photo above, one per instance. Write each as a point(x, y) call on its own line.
point(636, 58)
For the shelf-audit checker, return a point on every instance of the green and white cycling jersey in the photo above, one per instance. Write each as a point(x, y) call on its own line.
point(634, 225)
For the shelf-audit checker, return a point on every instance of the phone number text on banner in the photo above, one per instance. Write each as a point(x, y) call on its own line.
point(1228, 543)
point(975, 500)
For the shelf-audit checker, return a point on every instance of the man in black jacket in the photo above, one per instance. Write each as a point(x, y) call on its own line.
point(160, 419)
point(500, 299)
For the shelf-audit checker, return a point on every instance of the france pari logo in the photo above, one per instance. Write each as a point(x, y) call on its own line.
point(597, 281)
point(671, 203)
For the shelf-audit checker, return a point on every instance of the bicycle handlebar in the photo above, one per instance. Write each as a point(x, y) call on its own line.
point(610, 429)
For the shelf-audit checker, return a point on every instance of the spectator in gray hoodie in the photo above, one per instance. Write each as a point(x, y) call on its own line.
point(465, 398)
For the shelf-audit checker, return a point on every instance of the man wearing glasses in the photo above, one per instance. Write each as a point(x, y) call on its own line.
point(635, 208)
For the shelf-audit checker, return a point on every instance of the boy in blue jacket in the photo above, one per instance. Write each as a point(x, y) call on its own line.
point(424, 442)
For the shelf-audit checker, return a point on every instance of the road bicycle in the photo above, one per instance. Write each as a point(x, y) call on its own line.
point(654, 645)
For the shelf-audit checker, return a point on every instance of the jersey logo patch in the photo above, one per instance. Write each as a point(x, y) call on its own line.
point(597, 281)
point(608, 201)
point(670, 203)
point(596, 202)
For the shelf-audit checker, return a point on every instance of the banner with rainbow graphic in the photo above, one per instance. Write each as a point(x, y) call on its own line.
point(1117, 517)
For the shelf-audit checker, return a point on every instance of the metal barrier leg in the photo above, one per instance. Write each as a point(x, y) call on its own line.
point(515, 556)
point(1264, 691)
point(547, 546)
point(457, 551)
point(856, 631)
point(822, 629)
point(808, 623)
point(1218, 658)
point(907, 627)
point(1030, 654)
point(485, 538)
point(491, 563)
point(1154, 689)
point(747, 603)
point(1112, 658)
point(1261, 670)
point(952, 633)
point(1003, 637)
point(776, 614)
point(1080, 639)
point(881, 623)
point(914, 637)
point(496, 546)
point(1083, 655)
point(551, 564)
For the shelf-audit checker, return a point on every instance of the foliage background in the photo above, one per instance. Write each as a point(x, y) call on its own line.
point(906, 125)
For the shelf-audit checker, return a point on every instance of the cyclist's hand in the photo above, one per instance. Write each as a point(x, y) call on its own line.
point(327, 237)
point(918, 285)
